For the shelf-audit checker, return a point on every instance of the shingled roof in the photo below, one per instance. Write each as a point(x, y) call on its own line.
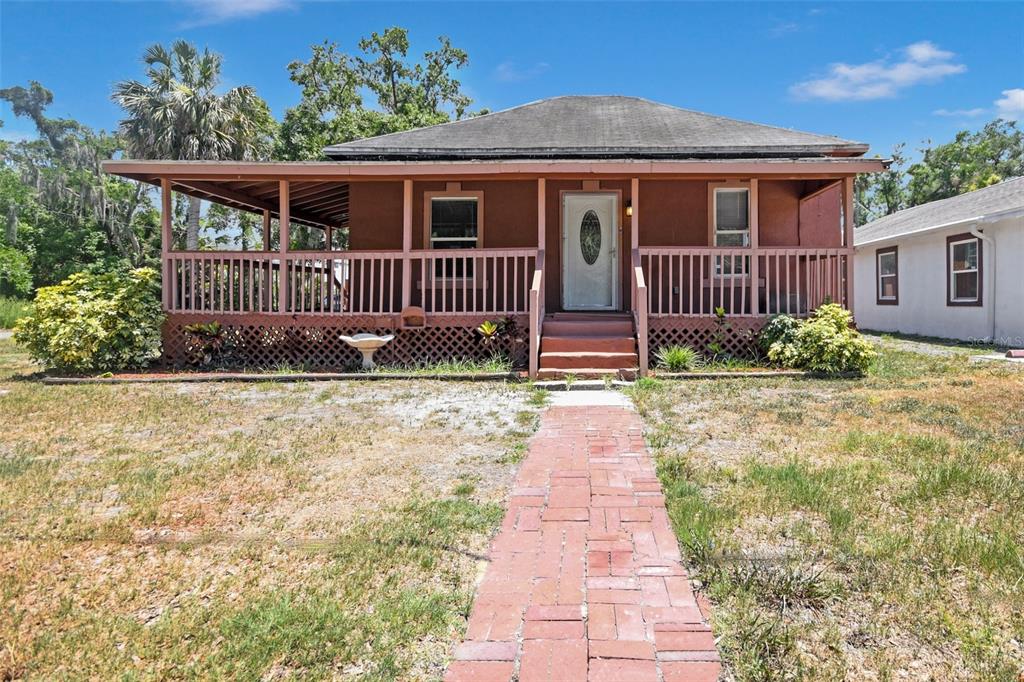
point(984, 203)
point(595, 127)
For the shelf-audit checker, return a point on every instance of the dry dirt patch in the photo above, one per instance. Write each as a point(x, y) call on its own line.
point(326, 530)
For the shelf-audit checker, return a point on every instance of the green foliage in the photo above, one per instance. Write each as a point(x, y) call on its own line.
point(208, 344)
point(970, 161)
point(60, 210)
point(15, 272)
point(179, 113)
point(11, 310)
point(407, 95)
point(95, 322)
point(678, 358)
point(826, 342)
point(779, 329)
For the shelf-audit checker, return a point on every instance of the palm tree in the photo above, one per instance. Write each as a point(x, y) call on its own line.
point(177, 114)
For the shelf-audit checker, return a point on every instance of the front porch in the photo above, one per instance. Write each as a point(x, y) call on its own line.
point(431, 283)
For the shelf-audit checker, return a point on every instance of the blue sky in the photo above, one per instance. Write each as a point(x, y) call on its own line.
point(876, 72)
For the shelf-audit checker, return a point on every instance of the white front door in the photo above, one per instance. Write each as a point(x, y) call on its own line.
point(590, 247)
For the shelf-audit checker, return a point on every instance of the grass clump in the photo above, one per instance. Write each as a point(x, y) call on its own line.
point(12, 310)
point(678, 358)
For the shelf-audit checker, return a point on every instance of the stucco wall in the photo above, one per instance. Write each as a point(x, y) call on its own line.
point(922, 305)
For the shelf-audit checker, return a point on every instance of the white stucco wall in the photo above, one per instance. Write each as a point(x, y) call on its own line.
point(922, 305)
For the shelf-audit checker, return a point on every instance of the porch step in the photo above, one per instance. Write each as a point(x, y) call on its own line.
point(595, 343)
point(587, 360)
point(588, 327)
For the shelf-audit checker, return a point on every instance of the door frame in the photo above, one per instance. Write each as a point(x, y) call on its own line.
point(616, 195)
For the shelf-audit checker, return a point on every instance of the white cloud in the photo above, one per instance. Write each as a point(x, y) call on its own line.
point(510, 72)
point(960, 113)
point(921, 62)
point(783, 28)
point(1011, 105)
point(208, 12)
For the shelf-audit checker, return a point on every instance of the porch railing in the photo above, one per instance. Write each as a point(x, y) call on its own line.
point(764, 281)
point(470, 282)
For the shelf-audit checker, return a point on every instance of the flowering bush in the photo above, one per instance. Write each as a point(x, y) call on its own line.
point(826, 342)
point(95, 322)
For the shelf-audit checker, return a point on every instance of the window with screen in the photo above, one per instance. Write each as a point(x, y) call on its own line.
point(964, 261)
point(732, 228)
point(888, 279)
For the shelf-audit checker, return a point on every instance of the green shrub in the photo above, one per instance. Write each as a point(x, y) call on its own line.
point(826, 342)
point(678, 358)
point(13, 309)
point(779, 329)
point(95, 322)
point(15, 273)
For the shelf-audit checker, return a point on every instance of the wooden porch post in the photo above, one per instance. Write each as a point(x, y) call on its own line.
point(284, 212)
point(542, 229)
point(848, 238)
point(166, 239)
point(755, 265)
point(407, 243)
point(638, 287)
point(536, 300)
point(266, 230)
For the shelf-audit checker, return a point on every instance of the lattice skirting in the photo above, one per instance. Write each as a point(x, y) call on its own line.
point(313, 341)
point(698, 332)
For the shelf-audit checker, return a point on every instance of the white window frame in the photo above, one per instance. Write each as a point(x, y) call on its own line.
point(430, 219)
point(953, 272)
point(715, 232)
point(882, 277)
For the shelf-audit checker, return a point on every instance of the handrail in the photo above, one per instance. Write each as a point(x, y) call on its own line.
point(640, 317)
point(536, 314)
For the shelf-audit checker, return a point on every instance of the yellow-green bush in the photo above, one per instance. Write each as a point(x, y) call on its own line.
point(826, 342)
point(95, 322)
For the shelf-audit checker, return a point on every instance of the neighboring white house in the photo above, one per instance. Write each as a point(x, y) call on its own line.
point(952, 268)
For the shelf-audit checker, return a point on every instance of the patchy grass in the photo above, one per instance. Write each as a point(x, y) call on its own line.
point(865, 529)
point(496, 364)
point(253, 531)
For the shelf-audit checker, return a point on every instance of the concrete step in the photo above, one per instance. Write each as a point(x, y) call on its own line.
point(613, 327)
point(576, 360)
point(587, 373)
point(614, 343)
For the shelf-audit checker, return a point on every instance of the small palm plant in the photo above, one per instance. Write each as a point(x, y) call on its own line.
point(678, 358)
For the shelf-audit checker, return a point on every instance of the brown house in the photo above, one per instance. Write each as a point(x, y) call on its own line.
point(603, 226)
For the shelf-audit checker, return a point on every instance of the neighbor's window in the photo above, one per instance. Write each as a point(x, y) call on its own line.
point(454, 225)
point(964, 258)
point(732, 228)
point(887, 268)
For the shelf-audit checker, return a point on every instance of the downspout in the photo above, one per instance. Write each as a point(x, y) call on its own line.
point(990, 272)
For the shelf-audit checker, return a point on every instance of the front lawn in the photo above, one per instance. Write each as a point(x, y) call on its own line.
point(246, 530)
point(867, 529)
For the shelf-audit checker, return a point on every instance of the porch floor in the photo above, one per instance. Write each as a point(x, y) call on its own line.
point(584, 580)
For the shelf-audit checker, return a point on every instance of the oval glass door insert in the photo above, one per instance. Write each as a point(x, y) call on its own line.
point(590, 237)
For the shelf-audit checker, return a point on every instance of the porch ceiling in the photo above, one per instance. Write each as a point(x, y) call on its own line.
point(313, 203)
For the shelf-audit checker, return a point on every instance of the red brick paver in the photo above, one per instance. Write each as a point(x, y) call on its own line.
point(584, 581)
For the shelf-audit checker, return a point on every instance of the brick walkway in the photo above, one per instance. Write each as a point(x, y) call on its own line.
point(584, 581)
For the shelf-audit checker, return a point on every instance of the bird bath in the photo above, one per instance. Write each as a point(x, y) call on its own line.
point(367, 344)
